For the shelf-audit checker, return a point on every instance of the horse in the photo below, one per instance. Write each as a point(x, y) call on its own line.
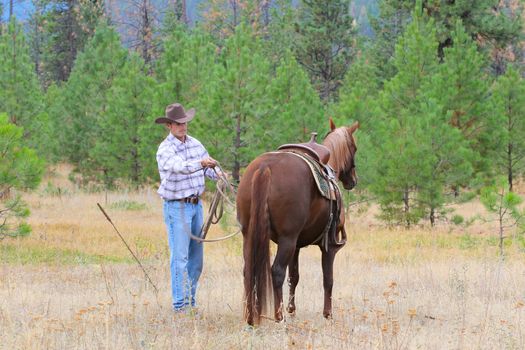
point(277, 199)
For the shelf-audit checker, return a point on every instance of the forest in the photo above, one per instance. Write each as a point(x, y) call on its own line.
point(437, 87)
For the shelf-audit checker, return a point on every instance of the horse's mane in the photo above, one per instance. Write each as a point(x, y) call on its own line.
point(337, 142)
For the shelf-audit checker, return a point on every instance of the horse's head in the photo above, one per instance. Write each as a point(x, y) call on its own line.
point(342, 147)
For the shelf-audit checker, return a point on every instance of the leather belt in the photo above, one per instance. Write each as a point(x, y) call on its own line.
point(192, 200)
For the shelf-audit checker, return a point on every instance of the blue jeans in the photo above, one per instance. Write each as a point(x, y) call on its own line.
point(186, 254)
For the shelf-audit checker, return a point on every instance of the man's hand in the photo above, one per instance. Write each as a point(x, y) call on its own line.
point(208, 162)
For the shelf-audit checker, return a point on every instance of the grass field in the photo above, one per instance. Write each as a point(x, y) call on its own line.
point(73, 285)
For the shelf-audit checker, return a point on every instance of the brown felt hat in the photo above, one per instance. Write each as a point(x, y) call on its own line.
point(175, 114)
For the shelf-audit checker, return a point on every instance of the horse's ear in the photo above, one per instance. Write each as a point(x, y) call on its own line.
point(353, 128)
point(332, 125)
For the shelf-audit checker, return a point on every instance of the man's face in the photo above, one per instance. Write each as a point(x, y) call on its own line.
point(179, 130)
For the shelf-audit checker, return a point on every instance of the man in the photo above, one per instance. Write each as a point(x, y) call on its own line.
point(183, 163)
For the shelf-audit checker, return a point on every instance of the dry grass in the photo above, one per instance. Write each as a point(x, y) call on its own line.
point(72, 284)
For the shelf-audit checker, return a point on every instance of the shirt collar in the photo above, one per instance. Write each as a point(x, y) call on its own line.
point(176, 141)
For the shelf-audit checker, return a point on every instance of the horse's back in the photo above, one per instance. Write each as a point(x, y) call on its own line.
point(292, 198)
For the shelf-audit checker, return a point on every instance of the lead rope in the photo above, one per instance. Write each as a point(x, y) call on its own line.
point(214, 216)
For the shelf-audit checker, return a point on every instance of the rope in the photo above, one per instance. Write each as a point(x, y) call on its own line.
point(214, 216)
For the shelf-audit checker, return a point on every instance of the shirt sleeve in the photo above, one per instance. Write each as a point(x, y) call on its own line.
point(168, 160)
point(209, 172)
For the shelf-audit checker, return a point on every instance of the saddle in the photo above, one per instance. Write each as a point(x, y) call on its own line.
point(319, 152)
point(316, 156)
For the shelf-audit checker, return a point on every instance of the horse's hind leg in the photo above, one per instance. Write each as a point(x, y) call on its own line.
point(285, 251)
point(293, 280)
point(328, 280)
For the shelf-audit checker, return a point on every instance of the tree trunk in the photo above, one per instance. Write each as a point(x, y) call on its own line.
point(501, 234)
point(180, 11)
point(406, 210)
point(145, 33)
point(432, 217)
point(510, 174)
point(237, 145)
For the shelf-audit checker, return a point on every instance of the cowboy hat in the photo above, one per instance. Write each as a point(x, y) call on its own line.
point(175, 114)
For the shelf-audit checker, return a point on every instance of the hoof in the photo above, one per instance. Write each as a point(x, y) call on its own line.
point(249, 328)
point(328, 316)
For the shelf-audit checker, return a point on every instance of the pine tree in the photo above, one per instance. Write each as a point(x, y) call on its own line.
point(416, 153)
point(234, 104)
point(186, 62)
point(222, 17)
point(20, 169)
point(357, 102)
point(20, 94)
point(117, 152)
point(325, 43)
point(487, 21)
point(462, 88)
point(86, 96)
point(60, 29)
point(296, 109)
point(509, 98)
point(185, 65)
point(281, 30)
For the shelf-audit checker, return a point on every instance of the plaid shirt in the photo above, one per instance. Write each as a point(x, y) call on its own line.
point(181, 173)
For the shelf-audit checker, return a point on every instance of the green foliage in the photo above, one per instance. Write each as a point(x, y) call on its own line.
point(325, 43)
point(504, 205)
point(118, 150)
point(86, 97)
point(478, 17)
point(509, 101)
point(20, 169)
point(14, 254)
point(20, 94)
point(59, 30)
point(55, 191)
point(458, 219)
point(235, 108)
point(415, 153)
point(296, 110)
point(128, 205)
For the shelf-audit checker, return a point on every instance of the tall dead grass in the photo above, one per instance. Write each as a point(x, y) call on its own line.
point(394, 289)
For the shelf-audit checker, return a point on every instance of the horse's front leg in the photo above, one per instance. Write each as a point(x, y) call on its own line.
point(328, 280)
point(285, 252)
point(293, 280)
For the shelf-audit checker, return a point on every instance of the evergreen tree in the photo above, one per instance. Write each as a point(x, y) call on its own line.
point(484, 20)
point(117, 152)
point(234, 105)
point(509, 98)
point(20, 169)
point(20, 94)
point(54, 110)
point(186, 62)
point(325, 43)
point(59, 31)
point(86, 96)
point(357, 101)
point(296, 109)
point(388, 26)
point(281, 31)
point(222, 17)
point(185, 65)
point(462, 88)
point(360, 89)
point(416, 153)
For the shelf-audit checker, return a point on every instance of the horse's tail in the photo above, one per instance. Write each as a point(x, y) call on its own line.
point(257, 272)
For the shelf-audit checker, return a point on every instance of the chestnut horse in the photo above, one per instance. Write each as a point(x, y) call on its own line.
point(278, 199)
